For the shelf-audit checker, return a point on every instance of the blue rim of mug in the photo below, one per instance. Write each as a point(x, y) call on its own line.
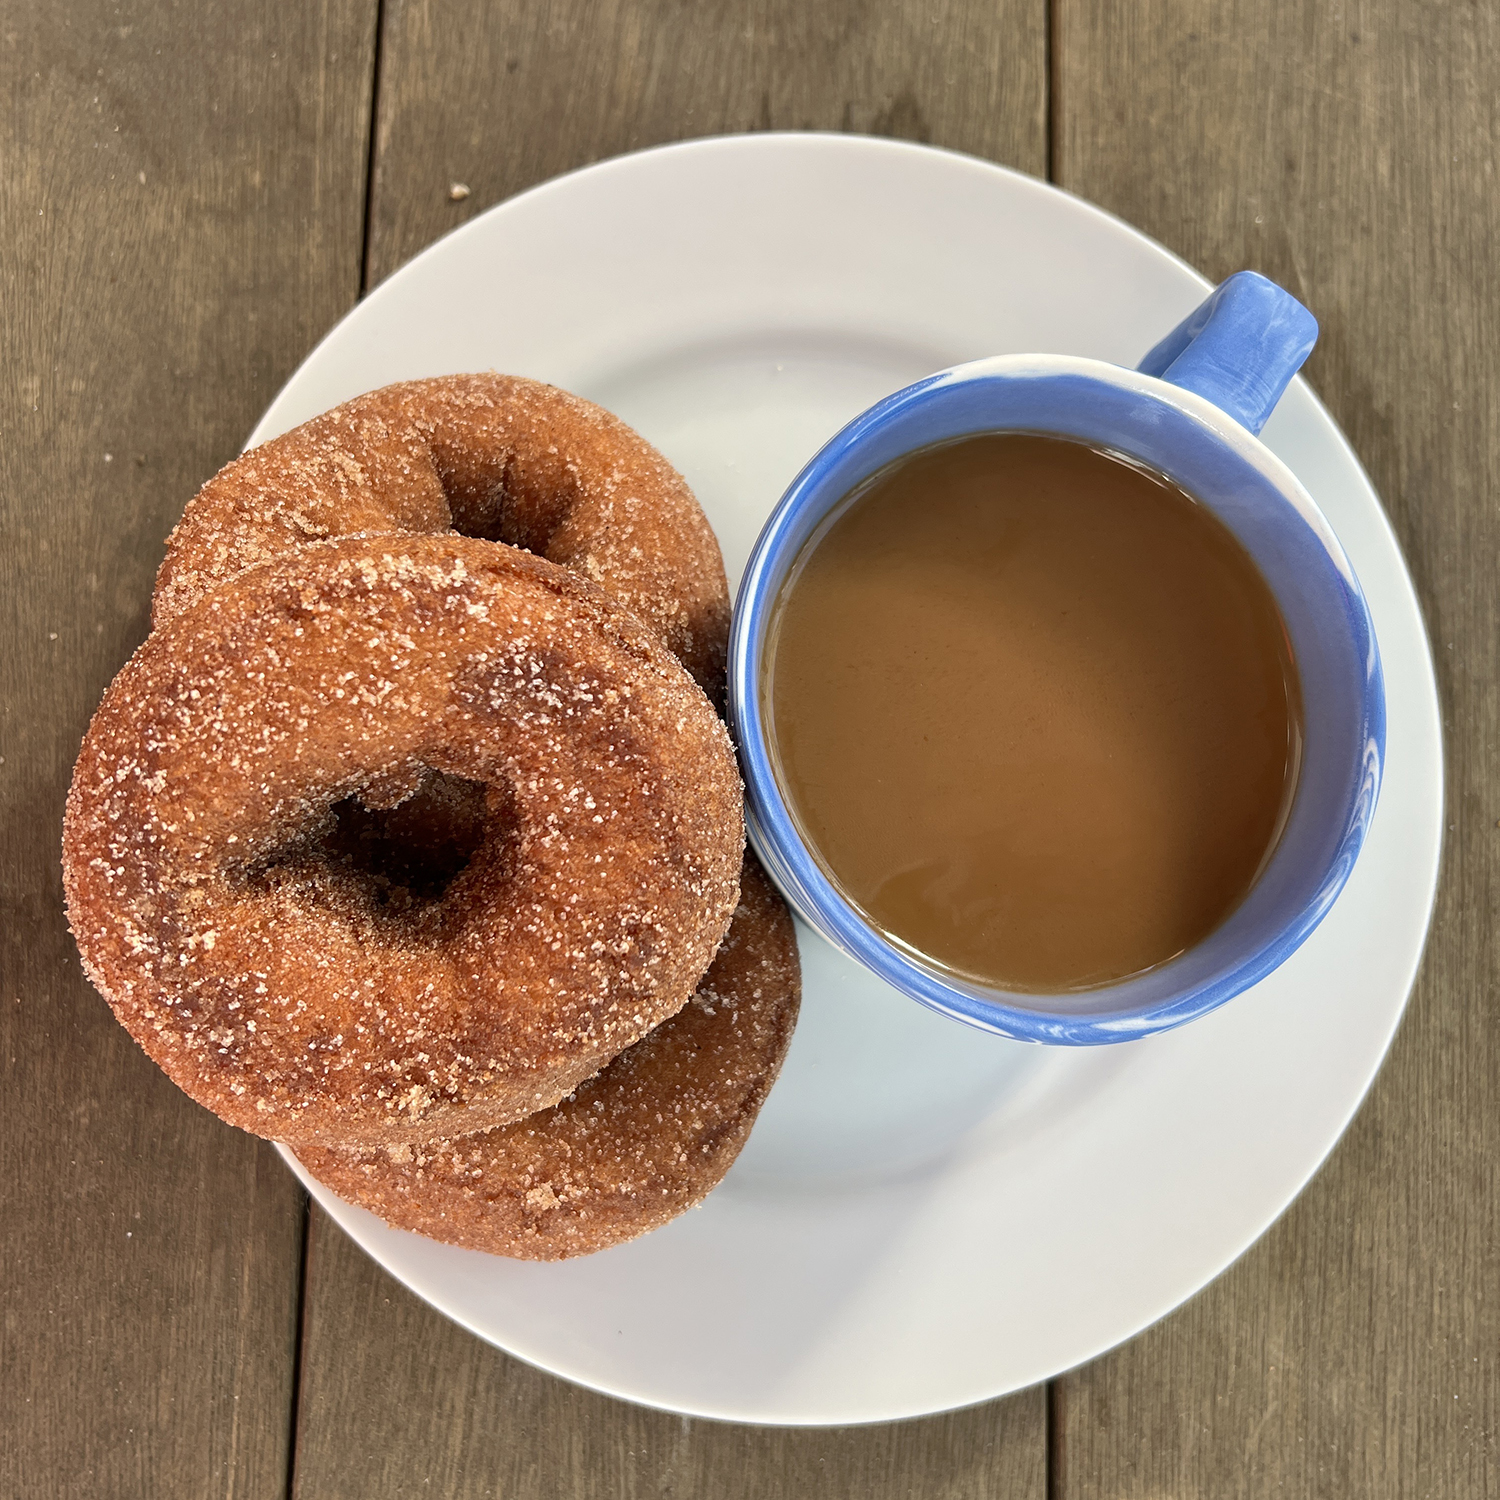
point(789, 860)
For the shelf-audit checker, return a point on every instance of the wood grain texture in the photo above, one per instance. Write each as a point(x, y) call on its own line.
point(398, 1401)
point(1350, 152)
point(181, 195)
point(500, 98)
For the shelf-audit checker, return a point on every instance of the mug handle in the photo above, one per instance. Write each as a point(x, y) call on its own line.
point(1239, 348)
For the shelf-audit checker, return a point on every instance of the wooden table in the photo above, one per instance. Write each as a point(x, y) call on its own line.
point(190, 195)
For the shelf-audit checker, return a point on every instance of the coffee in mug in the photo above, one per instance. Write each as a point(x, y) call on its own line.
point(1034, 709)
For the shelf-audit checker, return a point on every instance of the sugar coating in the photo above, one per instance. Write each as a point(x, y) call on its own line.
point(631, 1148)
point(491, 456)
point(263, 978)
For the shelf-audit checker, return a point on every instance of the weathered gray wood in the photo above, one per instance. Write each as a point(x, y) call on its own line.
point(394, 1400)
point(499, 98)
point(181, 211)
point(398, 1401)
point(1350, 151)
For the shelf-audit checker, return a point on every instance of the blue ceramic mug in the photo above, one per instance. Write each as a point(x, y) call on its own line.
point(1191, 411)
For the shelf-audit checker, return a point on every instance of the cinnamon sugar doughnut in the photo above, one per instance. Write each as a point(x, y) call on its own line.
point(489, 456)
point(635, 1146)
point(218, 880)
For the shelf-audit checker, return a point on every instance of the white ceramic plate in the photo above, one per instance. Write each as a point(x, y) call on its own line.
point(925, 1216)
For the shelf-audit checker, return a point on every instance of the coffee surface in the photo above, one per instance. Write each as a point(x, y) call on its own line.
point(1035, 711)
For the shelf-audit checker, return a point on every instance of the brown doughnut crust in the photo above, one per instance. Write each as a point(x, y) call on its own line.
point(490, 456)
point(634, 1146)
point(217, 841)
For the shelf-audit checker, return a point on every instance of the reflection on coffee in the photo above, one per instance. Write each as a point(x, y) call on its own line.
point(1034, 709)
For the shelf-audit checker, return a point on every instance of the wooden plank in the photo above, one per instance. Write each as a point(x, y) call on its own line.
point(181, 191)
point(501, 98)
point(392, 1398)
point(1348, 151)
point(396, 1400)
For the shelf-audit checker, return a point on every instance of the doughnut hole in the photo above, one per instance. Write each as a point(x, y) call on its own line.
point(388, 856)
point(524, 504)
point(413, 851)
point(485, 507)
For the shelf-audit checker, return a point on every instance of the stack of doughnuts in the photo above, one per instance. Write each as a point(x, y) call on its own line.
point(411, 836)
